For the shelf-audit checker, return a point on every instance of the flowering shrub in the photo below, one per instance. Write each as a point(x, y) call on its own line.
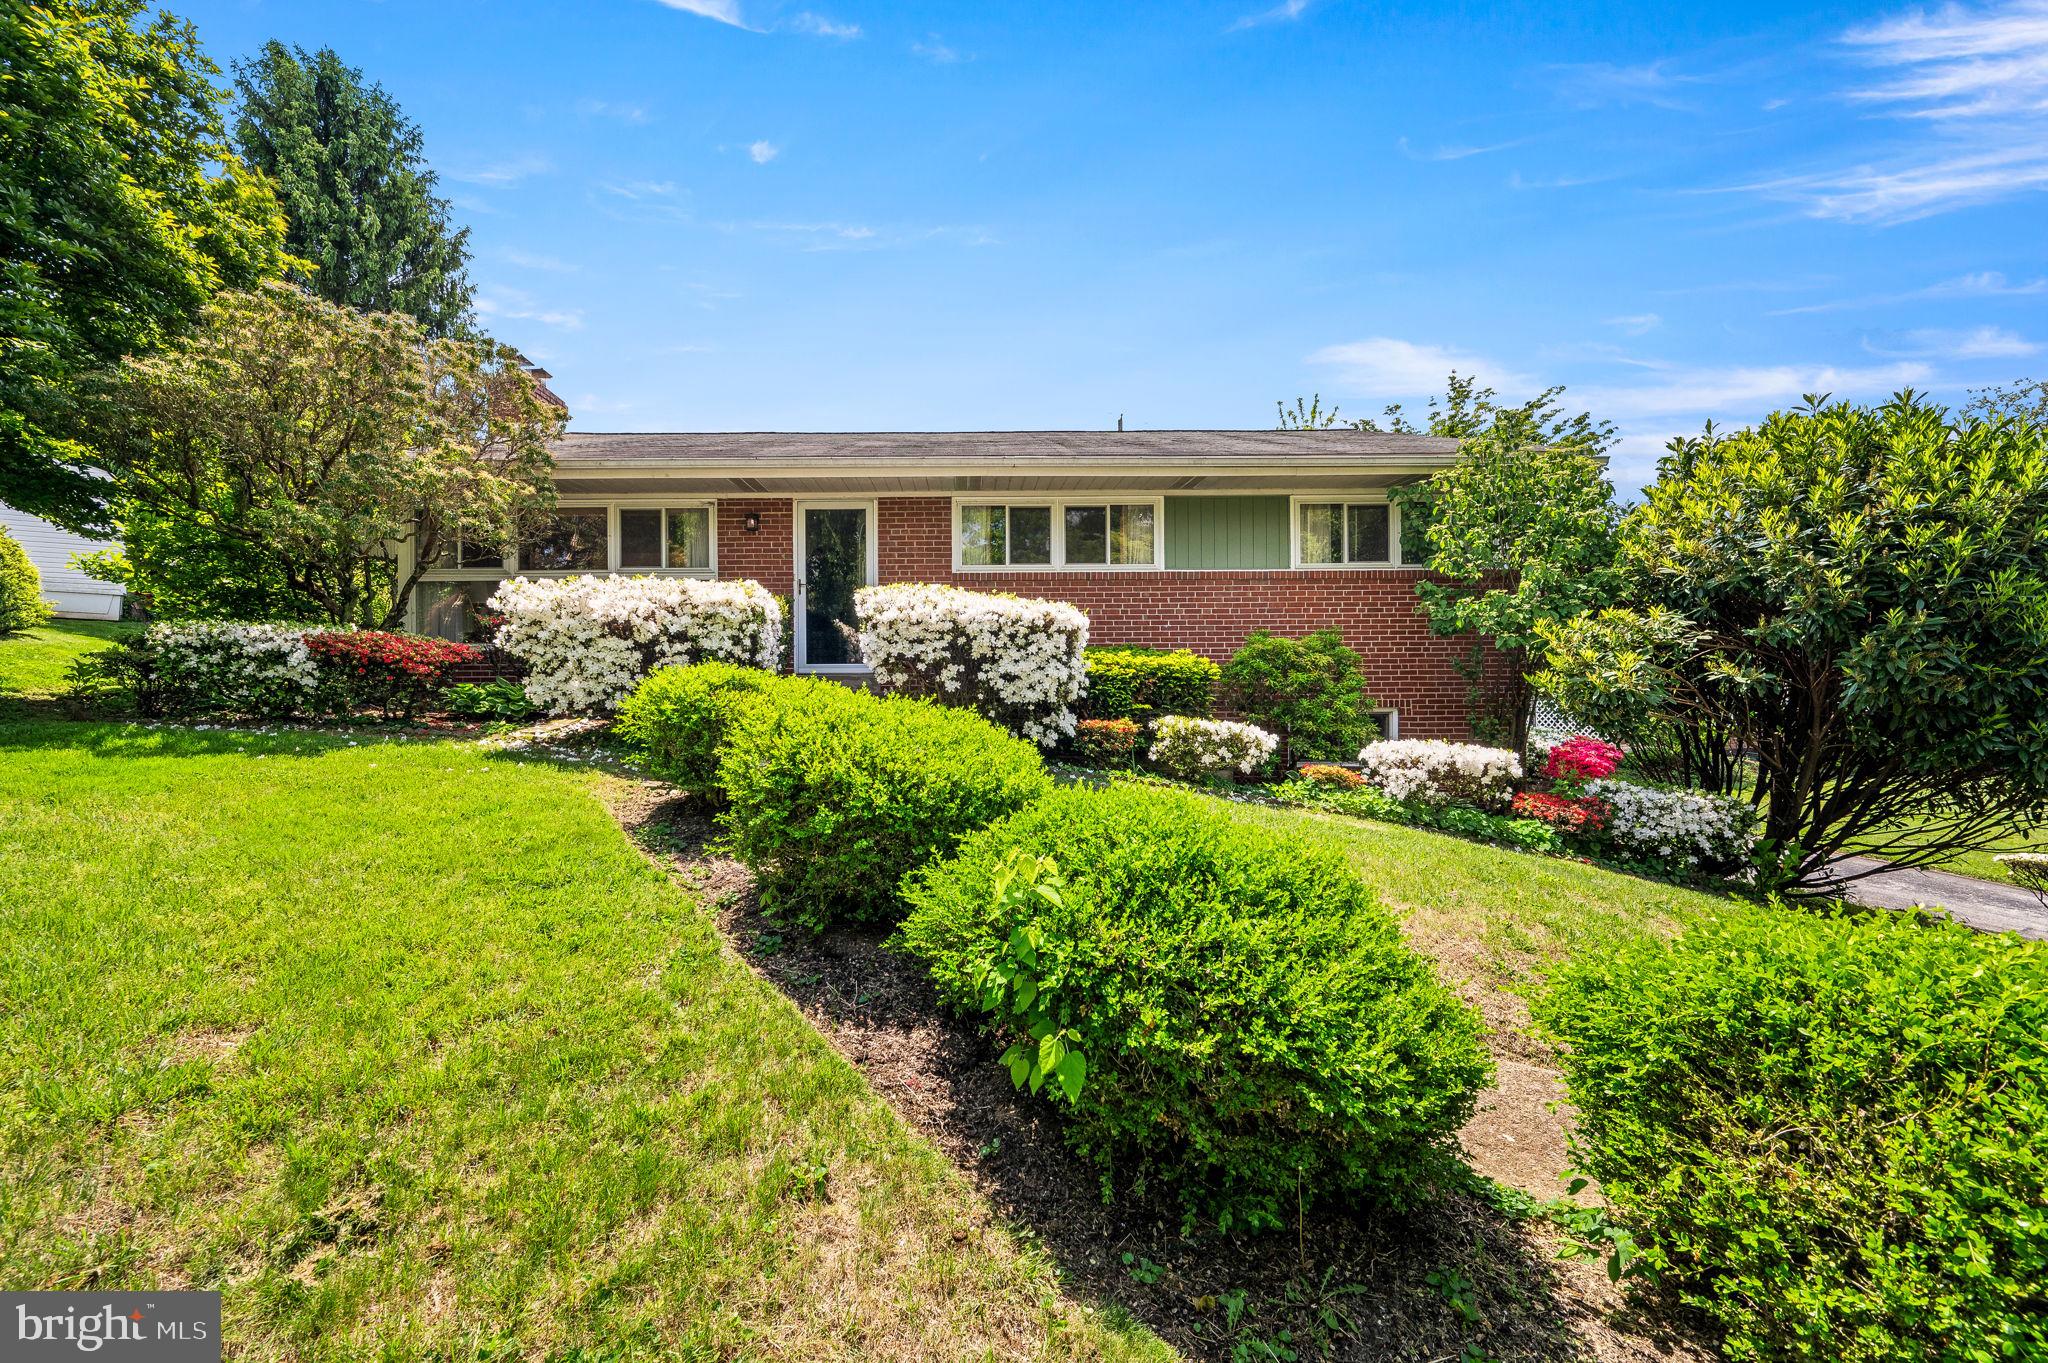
point(1323, 774)
point(1578, 816)
point(587, 640)
point(1433, 772)
point(394, 672)
point(1016, 660)
point(2029, 870)
point(1106, 742)
point(1197, 748)
point(1581, 759)
point(225, 668)
point(1367, 802)
point(1678, 827)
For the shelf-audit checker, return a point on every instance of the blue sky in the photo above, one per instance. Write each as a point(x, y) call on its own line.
point(837, 214)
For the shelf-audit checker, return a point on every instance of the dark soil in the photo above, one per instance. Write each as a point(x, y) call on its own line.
point(1459, 1281)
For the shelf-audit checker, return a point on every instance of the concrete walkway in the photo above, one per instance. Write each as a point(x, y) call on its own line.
point(1984, 904)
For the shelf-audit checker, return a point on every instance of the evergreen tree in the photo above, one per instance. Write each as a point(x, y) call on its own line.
point(358, 196)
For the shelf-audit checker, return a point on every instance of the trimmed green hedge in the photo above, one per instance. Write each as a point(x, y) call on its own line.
point(1139, 683)
point(1830, 1134)
point(1254, 1027)
point(834, 795)
point(678, 718)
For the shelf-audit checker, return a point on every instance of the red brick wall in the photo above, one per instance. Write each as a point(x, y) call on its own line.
point(1211, 612)
point(769, 554)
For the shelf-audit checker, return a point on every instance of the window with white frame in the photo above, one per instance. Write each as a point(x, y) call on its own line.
point(632, 537)
point(1338, 534)
point(1109, 533)
point(665, 537)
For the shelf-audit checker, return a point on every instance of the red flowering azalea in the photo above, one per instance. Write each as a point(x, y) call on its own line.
point(1567, 814)
point(393, 672)
point(1582, 759)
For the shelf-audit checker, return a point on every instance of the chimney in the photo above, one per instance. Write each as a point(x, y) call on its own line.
point(540, 379)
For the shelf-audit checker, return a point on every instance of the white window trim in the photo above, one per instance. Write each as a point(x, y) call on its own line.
point(1391, 724)
point(1059, 507)
point(1300, 499)
point(612, 568)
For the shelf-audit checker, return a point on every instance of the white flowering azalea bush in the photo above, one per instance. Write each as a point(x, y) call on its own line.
point(1016, 660)
point(221, 667)
point(587, 641)
point(1677, 828)
point(1435, 772)
point(1194, 749)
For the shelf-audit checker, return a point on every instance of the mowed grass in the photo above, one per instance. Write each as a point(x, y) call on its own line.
point(33, 662)
point(1489, 910)
point(406, 1049)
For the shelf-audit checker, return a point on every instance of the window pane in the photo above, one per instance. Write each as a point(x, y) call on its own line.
point(1031, 535)
point(571, 540)
point(639, 538)
point(1368, 533)
point(1087, 534)
point(982, 536)
point(1322, 533)
point(1130, 534)
point(482, 555)
point(689, 537)
point(456, 610)
point(444, 554)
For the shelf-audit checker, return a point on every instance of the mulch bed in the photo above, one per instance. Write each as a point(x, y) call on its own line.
point(1456, 1281)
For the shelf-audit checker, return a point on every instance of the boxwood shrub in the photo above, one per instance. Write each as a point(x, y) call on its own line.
point(834, 795)
point(1139, 683)
point(1829, 1133)
point(679, 716)
point(1254, 1027)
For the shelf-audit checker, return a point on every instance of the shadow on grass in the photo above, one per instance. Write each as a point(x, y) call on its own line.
point(29, 725)
point(1457, 1280)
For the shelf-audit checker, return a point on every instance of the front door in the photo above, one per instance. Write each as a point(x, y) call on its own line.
point(835, 555)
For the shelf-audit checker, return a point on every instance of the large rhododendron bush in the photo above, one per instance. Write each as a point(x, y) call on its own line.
point(587, 641)
point(1016, 660)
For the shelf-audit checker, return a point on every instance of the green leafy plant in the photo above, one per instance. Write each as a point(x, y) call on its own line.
point(678, 719)
point(1142, 1270)
point(1824, 1132)
point(21, 589)
point(1258, 1035)
point(1022, 982)
point(1859, 595)
point(1140, 683)
point(1364, 802)
point(1310, 691)
point(501, 698)
point(1457, 1291)
point(834, 795)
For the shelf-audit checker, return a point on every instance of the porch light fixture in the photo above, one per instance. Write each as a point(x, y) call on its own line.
point(753, 522)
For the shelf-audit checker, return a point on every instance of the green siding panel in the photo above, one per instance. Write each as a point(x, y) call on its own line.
point(1226, 532)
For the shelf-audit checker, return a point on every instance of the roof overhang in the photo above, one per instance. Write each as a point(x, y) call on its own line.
point(757, 478)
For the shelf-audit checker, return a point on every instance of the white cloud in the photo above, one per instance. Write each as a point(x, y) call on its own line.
point(1455, 153)
point(763, 151)
point(1958, 62)
point(935, 49)
point(1285, 12)
point(1684, 397)
point(1599, 85)
point(1915, 187)
point(1975, 343)
point(606, 108)
point(643, 189)
point(1384, 366)
point(519, 306)
point(1982, 284)
point(1636, 323)
point(818, 26)
point(724, 11)
point(508, 172)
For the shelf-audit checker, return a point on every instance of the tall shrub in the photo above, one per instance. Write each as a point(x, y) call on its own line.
point(1310, 691)
point(834, 795)
point(1829, 1134)
point(21, 589)
point(1253, 1028)
point(587, 641)
point(1016, 660)
point(1859, 597)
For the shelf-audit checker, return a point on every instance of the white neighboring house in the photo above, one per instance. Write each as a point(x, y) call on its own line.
point(75, 596)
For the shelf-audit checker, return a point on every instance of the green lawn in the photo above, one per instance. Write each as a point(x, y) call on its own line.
point(32, 663)
point(407, 1049)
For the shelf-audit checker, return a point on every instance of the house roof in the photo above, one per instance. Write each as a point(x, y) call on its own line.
point(1276, 449)
point(865, 463)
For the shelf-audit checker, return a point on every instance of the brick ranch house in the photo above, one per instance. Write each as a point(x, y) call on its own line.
point(1168, 539)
